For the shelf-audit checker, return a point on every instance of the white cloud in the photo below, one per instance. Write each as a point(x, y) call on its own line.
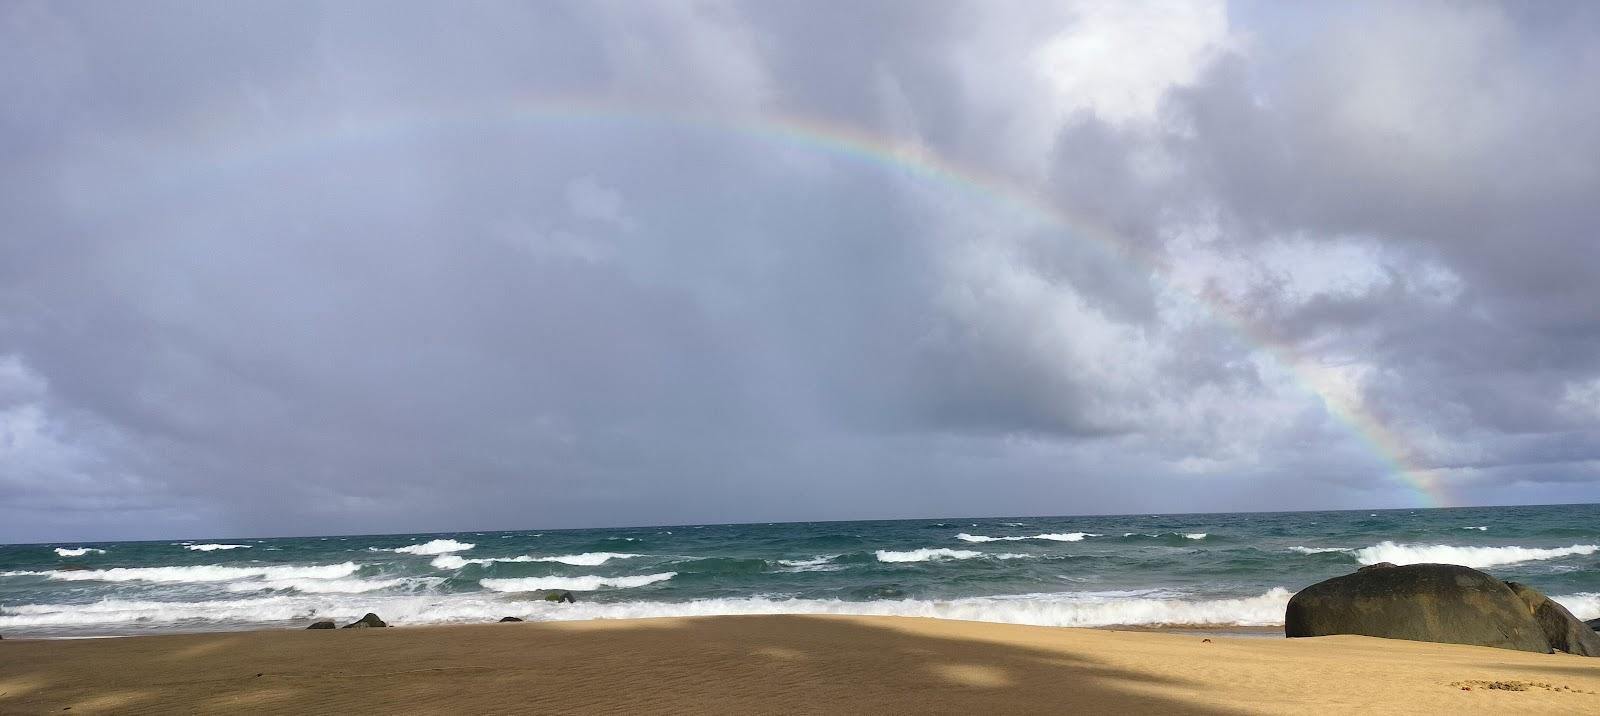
point(1431, 98)
point(1028, 70)
point(1118, 59)
point(588, 199)
point(550, 244)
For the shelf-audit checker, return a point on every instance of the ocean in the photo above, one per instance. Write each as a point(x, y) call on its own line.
point(1221, 570)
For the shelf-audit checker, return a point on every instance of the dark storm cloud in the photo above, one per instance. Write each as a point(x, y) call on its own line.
point(268, 270)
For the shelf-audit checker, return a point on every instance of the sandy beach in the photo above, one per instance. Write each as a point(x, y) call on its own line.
point(777, 664)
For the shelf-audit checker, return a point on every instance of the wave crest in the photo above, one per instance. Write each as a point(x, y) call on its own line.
point(1318, 550)
point(438, 546)
point(1052, 537)
point(576, 584)
point(1080, 610)
point(77, 552)
point(203, 573)
point(214, 547)
point(587, 559)
point(1478, 557)
point(924, 555)
point(330, 586)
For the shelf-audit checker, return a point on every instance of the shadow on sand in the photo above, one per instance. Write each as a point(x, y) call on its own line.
point(754, 664)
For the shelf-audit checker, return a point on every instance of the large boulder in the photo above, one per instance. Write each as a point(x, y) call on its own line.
point(370, 620)
point(559, 597)
point(1421, 602)
point(1563, 630)
point(1593, 624)
point(323, 624)
point(509, 619)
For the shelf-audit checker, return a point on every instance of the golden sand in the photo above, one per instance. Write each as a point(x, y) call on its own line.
point(779, 664)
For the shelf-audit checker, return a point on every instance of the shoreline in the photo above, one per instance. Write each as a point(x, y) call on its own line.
point(1274, 631)
point(787, 663)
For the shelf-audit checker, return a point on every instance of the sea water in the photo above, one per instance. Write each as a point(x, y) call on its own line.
point(1234, 570)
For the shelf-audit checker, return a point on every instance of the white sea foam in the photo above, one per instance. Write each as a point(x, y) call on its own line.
point(1052, 537)
point(438, 546)
point(78, 552)
point(1189, 535)
point(1318, 550)
point(1480, 529)
point(1583, 605)
point(330, 586)
point(583, 584)
point(924, 555)
point(203, 573)
point(823, 563)
point(1196, 535)
point(587, 559)
point(1468, 556)
point(214, 547)
point(814, 561)
point(1065, 609)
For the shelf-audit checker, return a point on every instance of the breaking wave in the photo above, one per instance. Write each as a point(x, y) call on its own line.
point(587, 559)
point(823, 563)
point(77, 552)
point(1068, 609)
point(331, 586)
point(202, 573)
point(1468, 556)
point(813, 562)
point(1318, 550)
point(580, 584)
point(1583, 605)
point(213, 547)
point(1053, 537)
point(924, 555)
point(438, 546)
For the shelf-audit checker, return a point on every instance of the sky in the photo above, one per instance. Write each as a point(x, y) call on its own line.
point(303, 268)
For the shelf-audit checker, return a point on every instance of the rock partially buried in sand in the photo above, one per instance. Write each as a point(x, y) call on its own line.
point(509, 619)
point(370, 620)
point(324, 624)
point(1563, 630)
point(1422, 602)
point(560, 597)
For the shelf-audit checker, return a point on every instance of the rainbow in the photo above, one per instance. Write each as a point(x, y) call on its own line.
point(226, 155)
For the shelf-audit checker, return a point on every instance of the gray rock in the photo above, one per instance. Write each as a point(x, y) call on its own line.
point(560, 597)
point(324, 624)
point(1563, 630)
point(509, 619)
point(370, 620)
point(1380, 565)
point(1422, 602)
point(1593, 624)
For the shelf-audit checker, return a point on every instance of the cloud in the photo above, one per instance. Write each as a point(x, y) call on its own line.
point(1117, 61)
point(314, 268)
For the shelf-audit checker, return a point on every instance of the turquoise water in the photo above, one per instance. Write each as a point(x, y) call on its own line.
point(1229, 569)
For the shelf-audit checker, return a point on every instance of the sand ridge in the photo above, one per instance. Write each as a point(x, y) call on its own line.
point(775, 664)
